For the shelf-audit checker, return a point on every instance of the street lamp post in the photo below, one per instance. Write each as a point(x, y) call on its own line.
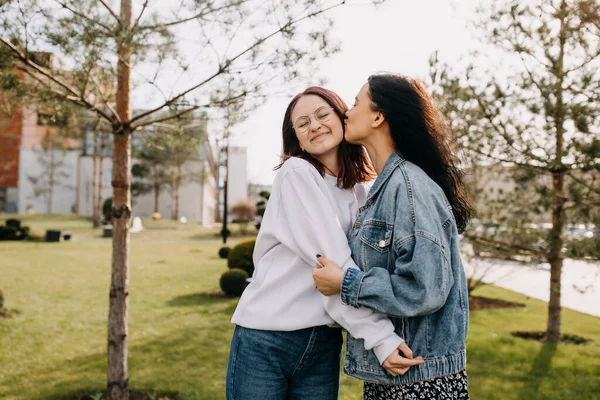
point(225, 232)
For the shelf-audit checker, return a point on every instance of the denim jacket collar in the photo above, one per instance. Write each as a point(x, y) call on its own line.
point(391, 164)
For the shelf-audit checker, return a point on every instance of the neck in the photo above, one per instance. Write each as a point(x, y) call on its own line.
point(330, 162)
point(380, 147)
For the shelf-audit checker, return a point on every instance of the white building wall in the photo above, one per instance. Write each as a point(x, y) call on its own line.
point(196, 197)
point(64, 193)
point(237, 186)
point(86, 186)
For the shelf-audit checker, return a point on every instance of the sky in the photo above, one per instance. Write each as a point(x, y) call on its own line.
point(399, 37)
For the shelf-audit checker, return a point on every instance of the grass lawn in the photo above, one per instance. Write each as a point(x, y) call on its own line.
point(179, 335)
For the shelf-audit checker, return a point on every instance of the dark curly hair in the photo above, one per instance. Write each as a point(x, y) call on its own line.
point(421, 135)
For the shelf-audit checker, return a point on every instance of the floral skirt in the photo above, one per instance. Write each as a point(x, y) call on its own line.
point(449, 387)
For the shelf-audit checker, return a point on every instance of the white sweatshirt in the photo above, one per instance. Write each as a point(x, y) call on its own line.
point(306, 215)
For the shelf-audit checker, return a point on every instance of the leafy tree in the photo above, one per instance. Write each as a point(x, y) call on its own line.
point(537, 118)
point(261, 205)
point(243, 212)
point(149, 173)
point(180, 142)
point(240, 46)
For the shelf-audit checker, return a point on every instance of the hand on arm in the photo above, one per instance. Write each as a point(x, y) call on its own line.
point(328, 278)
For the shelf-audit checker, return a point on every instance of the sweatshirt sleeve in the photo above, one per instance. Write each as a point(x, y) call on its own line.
point(309, 226)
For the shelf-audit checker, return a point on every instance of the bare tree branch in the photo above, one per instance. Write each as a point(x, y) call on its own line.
point(224, 67)
point(83, 16)
point(505, 246)
point(110, 11)
point(183, 112)
point(137, 20)
point(205, 11)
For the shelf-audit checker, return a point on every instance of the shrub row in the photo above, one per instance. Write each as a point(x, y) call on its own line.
point(12, 230)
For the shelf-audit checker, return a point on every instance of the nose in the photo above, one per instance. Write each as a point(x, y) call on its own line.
point(314, 124)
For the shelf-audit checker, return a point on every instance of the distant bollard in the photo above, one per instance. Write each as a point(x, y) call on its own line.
point(52, 236)
point(107, 231)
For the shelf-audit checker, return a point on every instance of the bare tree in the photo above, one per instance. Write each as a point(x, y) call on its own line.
point(243, 211)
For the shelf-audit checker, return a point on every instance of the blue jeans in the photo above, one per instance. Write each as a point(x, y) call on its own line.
point(296, 365)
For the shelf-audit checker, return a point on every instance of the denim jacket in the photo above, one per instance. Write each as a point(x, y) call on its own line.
point(406, 244)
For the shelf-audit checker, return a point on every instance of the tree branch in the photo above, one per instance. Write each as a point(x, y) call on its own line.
point(83, 16)
point(180, 113)
point(137, 20)
point(504, 160)
point(503, 133)
point(200, 15)
point(224, 67)
point(25, 60)
point(584, 183)
point(110, 11)
point(74, 97)
point(502, 245)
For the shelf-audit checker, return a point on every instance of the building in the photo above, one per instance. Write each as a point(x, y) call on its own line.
point(37, 175)
point(37, 165)
point(503, 193)
point(237, 185)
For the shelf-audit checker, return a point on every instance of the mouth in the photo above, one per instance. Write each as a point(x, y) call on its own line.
point(318, 136)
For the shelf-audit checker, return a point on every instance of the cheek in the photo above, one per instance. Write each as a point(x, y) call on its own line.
point(302, 140)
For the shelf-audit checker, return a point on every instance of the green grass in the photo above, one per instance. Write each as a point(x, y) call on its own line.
point(179, 336)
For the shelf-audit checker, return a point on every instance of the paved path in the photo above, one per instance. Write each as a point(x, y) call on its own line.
point(580, 281)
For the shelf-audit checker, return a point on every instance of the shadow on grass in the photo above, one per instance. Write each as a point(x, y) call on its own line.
point(199, 299)
point(188, 363)
point(540, 370)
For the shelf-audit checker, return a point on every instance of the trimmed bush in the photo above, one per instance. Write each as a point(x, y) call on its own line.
point(224, 252)
point(233, 282)
point(15, 223)
point(10, 232)
point(107, 210)
point(241, 256)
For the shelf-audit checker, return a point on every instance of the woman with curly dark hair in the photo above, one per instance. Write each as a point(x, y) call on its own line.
point(405, 241)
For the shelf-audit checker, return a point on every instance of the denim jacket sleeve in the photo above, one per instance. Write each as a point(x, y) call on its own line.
point(419, 283)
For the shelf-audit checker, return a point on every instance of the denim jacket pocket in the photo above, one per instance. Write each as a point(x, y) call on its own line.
point(377, 235)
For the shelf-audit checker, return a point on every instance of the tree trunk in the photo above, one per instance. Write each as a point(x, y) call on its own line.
point(173, 194)
point(156, 194)
point(51, 173)
point(95, 214)
point(117, 374)
point(98, 200)
point(177, 184)
point(556, 261)
point(202, 183)
point(558, 182)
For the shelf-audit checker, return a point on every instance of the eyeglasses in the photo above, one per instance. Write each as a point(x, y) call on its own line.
point(322, 114)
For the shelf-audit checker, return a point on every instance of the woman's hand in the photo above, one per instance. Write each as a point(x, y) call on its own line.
point(396, 365)
point(328, 278)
